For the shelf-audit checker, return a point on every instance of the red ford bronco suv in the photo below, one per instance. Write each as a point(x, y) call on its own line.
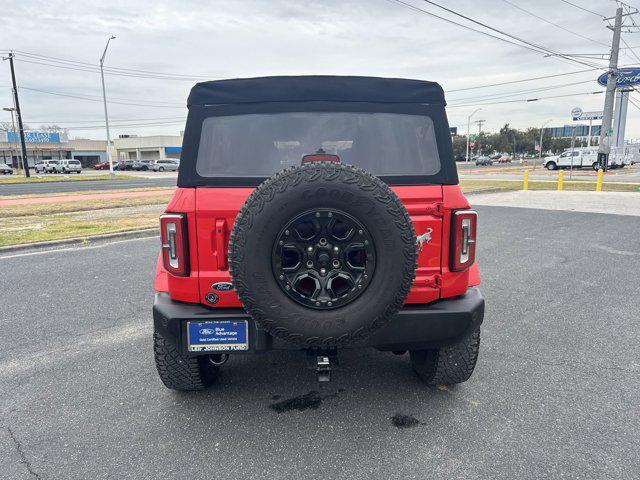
point(317, 213)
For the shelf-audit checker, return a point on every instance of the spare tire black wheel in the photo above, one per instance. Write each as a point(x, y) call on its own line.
point(322, 254)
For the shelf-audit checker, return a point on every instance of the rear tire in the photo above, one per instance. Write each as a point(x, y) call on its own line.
point(595, 166)
point(448, 365)
point(161, 169)
point(182, 372)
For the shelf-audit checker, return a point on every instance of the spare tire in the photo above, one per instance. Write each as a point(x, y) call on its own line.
point(322, 254)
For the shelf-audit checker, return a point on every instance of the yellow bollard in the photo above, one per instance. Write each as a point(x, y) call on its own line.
point(525, 184)
point(599, 181)
point(560, 177)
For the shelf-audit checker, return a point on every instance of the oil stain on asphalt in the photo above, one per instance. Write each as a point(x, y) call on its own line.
point(308, 401)
point(400, 420)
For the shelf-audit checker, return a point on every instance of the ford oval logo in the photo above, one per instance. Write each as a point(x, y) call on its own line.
point(222, 286)
point(626, 77)
point(206, 331)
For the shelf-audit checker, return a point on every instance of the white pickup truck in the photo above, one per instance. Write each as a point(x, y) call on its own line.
point(582, 157)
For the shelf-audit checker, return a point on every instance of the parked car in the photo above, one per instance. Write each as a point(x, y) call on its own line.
point(165, 165)
point(46, 166)
point(103, 166)
point(124, 165)
point(6, 169)
point(504, 159)
point(495, 156)
point(142, 165)
point(68, 166)
point(270, 244)
point(483, 160)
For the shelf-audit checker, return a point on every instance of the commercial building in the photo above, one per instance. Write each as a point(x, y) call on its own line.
point(566, 131)
point(154, 147)
point(40, 146)
point(56, 145)
point(89, 152)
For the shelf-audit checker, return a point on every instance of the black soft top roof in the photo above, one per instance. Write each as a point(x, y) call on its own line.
point(316, 88)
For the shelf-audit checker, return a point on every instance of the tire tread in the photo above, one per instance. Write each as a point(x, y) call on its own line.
point(448, 365)
point(181, 372)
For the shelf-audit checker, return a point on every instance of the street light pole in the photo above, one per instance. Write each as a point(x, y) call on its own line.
point(104, 100)
point(540, 145)
point(469, 128)
point(13, 127)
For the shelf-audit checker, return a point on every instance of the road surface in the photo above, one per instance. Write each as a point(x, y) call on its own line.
point(78, 186)
point(555, 393)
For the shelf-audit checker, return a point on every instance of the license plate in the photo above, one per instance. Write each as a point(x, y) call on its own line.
point(218, 336)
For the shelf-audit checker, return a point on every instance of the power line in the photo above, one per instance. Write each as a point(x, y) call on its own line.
point(95, 97)
point(502, 32)
point(525, 100)
point(90, 99)
point(537, 50)
point(522, 80)
point(113, 70)
point(100, 121)
point(121, 69)
point(630, 49)
point(97, 70)
point(125, 125)
point(532, 90)
point(555, 24)
point(584, 9)
point(633, 103)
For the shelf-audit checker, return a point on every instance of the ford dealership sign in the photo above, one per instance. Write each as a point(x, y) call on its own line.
point(626, 77)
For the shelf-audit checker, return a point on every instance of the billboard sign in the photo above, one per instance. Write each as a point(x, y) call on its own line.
point(35, 137)
point(626, 77)
point(587, 116)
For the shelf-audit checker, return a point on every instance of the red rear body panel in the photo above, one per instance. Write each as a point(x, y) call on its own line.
point(212, 211)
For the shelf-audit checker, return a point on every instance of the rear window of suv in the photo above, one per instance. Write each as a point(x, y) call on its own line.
point(259, 145)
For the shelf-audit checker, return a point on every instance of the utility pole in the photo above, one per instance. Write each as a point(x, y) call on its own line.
point(479, 122)
point(607, 115)
point(469, 129)
point(104, 100)
point(16, 102)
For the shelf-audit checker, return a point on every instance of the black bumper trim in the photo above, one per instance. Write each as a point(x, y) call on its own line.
point(414, 327)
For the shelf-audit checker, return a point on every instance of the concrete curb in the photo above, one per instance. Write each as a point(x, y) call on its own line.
point(80, 242)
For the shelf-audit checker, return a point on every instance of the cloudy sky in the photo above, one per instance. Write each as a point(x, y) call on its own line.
point(58, 43)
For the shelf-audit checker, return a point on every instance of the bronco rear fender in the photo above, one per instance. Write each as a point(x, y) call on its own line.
point(454, 283)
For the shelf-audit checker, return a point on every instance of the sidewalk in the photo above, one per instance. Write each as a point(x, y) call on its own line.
point(80, 198)
point(616, 203)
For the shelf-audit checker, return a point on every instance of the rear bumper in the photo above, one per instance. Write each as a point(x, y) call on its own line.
point(414, 327)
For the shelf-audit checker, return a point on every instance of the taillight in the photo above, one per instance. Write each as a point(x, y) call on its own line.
point(175, 247)
point(463, 239)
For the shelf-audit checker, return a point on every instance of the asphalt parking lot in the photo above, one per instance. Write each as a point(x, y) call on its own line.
point(555, 394)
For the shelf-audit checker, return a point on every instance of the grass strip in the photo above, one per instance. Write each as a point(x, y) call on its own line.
point(20, 230)
point(37, 209)
point(469, 185)
point(10, 179)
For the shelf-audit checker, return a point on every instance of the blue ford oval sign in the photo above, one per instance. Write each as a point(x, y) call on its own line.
point(626, 77)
